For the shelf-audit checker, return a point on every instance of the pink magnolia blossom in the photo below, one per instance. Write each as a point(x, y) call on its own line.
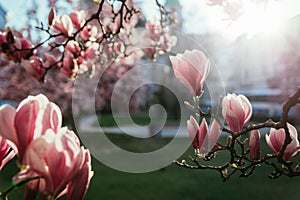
point(2, 40)
point(78, 18)
point(32, 118)
point(73, 47)
point(70, 66)
point(197, 133)
point(50, 60)
point(276, 139)
point(34, 66)
point(236, 110)
point(154, 40)
point(9, 46)
point(6, 153)
point(254, 145)
point(6, 45)
point(201, 138)
point(63, 24)
point(153, 31)
point(192, 69)
point(64, 166)
point(92, 50)
point(25, 46)
point(89, 32)
point(51, 16)
point(214, 134)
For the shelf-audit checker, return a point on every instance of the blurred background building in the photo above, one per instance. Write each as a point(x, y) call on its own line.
point(264, 66)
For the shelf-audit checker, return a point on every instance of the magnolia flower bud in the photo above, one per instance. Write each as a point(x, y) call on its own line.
point(276, 139)
point(254, 145)
point(192, 69)
point(236, 110)
point(51, 16)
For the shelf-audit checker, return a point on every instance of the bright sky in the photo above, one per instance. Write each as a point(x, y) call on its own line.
point(255, 20)
point(210, 19)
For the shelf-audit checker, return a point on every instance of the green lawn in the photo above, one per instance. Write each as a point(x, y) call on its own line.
point(174, 182)
point(107, 120)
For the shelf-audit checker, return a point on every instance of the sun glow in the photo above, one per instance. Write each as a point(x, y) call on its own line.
point(265, 19)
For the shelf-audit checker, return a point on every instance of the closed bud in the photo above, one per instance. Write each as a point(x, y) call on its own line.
point(188, 105)
point(234, 165)
point(225, 172)
point(228, 140)
point(51, 16)
point(236, 110)
point(191, 68)
point(254, 145)
point(9, 36)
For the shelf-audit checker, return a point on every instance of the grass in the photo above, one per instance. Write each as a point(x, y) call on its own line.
point(174, 182)
point(107, 120)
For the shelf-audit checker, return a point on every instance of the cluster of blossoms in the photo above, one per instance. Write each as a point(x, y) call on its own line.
point(192, 69)
point(76, 41)
point(14, 48)
point(75, 59)
point(156, 40)
point(49, 156)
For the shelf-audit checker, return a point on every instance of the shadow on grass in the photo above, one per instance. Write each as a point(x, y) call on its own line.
point(174, 182)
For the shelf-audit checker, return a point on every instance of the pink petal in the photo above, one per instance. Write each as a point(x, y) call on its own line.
point(25, 122)
point(77, 18)
point(52, 118)
point(277, 138)
point(7, 119)
point(182, 73)
point(268, 141)
point(7, 158)
point(41, 99)
point(80, 183)
point(233, 121)
point(191, 68)
point(215, 133)
point(236, 110)
point(192, 126)
point(34, 156)
point(32, 187)
point(247, 108)
point(203, 130)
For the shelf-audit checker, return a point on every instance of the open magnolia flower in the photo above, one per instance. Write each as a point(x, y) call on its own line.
point(192, 69)
point(63, 165)
point(236, 110)
point(63, 24)
point(276, 139)
point(31, 119)
point(45, 150)
point(202, 139)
